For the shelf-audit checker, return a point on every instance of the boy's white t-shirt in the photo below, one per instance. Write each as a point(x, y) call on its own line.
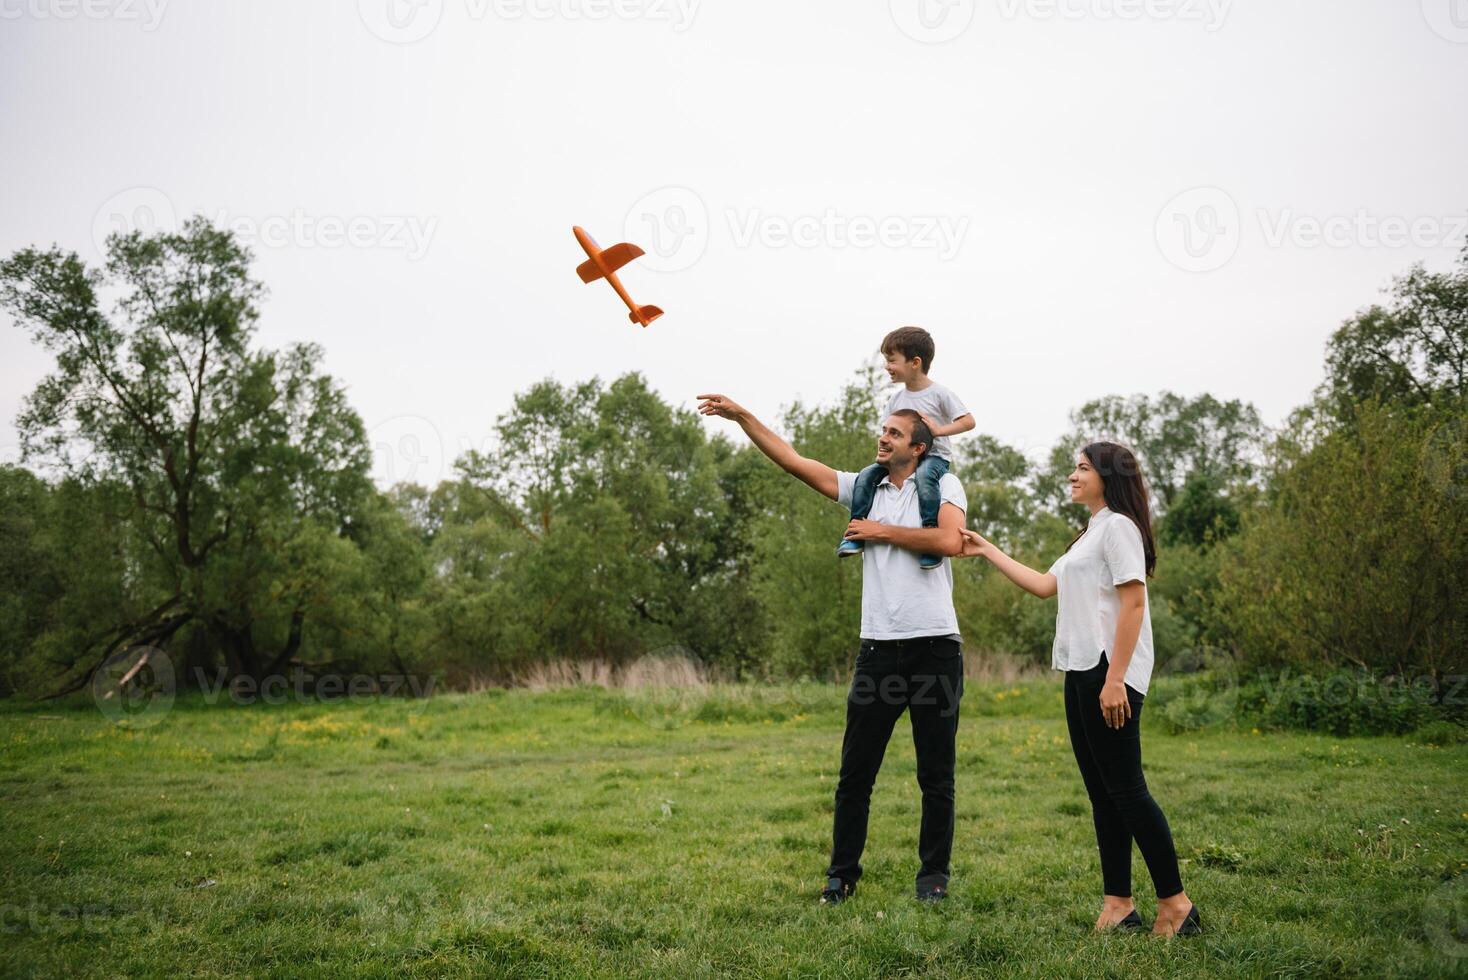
point(936, 402)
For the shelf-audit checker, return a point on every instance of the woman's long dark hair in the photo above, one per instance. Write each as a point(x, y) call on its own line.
point(1125, 491)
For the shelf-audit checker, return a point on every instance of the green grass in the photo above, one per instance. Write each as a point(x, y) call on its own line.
point(579, 832)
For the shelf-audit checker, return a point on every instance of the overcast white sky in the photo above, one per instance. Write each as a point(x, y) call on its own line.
point(1077, 197)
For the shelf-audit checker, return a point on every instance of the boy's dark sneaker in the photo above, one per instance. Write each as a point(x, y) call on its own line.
point(848, 548)
point(929, 562)
point(837, 890)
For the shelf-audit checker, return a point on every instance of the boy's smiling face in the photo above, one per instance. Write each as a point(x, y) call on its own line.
point(900, 369)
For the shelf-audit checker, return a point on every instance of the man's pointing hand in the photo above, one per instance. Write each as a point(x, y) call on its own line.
point(723, 407)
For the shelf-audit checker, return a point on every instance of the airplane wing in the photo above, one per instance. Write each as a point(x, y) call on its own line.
point(611, 258)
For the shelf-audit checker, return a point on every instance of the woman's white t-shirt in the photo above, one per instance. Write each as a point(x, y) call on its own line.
point(1109, 553)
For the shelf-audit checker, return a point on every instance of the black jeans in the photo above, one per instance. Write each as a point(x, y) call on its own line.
point(1123, 809)
point(923, 676)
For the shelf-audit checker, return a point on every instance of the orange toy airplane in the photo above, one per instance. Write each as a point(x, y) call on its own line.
point(603, 263)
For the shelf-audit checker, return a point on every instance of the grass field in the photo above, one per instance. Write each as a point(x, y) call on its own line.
point(590, 832)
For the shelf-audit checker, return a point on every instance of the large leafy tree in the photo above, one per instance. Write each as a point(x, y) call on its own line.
point(1411, 351)
point(1174, 437)
point(604, 524)
point(237, 465)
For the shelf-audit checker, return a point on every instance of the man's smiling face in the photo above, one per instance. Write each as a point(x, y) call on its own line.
point(894, 442)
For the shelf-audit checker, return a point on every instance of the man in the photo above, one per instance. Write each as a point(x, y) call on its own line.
point(911, 656)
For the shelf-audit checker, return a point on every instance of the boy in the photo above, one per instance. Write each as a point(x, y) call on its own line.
point(909, 353)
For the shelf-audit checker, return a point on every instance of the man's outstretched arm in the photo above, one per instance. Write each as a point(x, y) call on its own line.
point(817, 475)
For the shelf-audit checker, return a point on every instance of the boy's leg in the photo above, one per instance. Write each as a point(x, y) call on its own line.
point(929, 474)
point(862, 494)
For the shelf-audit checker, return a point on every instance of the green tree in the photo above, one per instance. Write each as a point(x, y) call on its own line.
point(1412, 351)
point(811, 599)
point(1361, 557)
point(608, 522)
point(1174, 438)
point(238, 465)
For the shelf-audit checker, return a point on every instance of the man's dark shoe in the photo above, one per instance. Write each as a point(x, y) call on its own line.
point(837, 890)
point(932, 890)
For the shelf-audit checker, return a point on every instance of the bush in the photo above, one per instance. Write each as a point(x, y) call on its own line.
point(1361, 558)
point(1342, 702)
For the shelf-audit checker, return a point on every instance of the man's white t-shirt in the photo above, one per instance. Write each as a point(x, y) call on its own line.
point(1108, 554)
point(899, 600)
point(936, 402)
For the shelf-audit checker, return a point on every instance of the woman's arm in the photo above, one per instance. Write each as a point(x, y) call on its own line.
point(1041, 584)
point(1115, 705)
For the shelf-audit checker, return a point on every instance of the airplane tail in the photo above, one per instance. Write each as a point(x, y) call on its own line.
point(645, 314)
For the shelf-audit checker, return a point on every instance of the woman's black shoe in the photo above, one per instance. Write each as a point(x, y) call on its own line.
point(837, 890)
point(1132, 922)
point(1192, 925)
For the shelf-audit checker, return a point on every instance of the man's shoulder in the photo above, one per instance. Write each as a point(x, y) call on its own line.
point(950, 487)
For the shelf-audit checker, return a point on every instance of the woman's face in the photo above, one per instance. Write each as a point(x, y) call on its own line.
point(1085, 483)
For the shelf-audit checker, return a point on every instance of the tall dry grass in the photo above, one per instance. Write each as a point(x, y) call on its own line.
point(683, 670)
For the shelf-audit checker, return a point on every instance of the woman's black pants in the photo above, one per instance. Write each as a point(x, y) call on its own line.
point(1111, 765)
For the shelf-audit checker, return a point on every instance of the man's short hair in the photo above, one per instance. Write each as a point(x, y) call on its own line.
point(920, 431)
point(910, 342)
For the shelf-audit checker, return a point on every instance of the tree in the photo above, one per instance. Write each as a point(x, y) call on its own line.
point(1361, 559)
point(1202, 513)
point(812, 599)
point(608, 522)
point(1174, 438)
point(232, 459)
point(1413, 351)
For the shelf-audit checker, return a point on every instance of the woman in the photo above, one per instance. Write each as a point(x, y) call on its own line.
point(1103, 642)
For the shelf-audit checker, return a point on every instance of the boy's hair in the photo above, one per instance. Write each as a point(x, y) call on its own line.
point(910, 342)
point(921, 434)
